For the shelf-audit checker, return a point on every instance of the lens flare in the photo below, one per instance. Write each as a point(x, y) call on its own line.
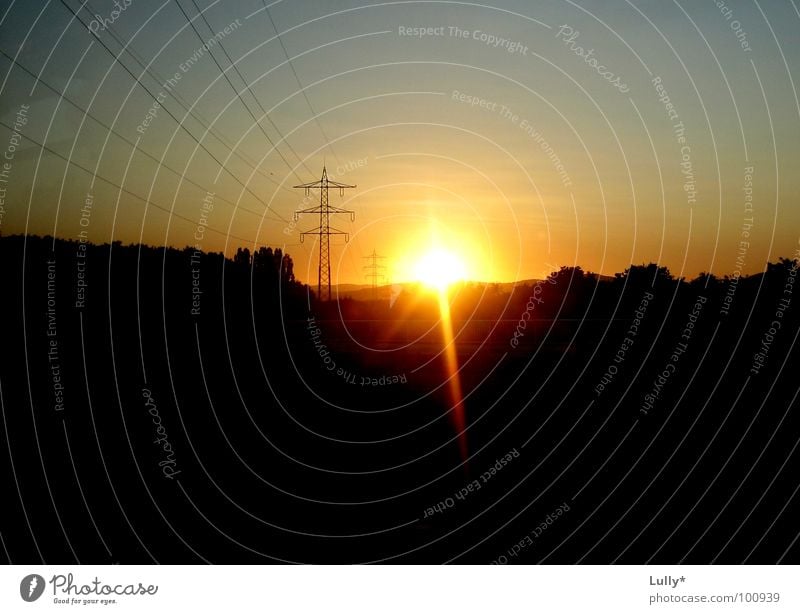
point(457, 416)
point(439, 269)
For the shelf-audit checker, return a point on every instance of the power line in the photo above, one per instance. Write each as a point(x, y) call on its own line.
point(223, 72)
point(177, 121)
point(195, 114)
point(249, 89)
point(299, 84)
point(80, 109)
point(121, 188)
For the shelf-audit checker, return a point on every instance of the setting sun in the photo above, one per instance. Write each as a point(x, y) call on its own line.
point(439, 268)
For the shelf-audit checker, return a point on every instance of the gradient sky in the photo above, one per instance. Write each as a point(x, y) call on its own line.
point(429, 168)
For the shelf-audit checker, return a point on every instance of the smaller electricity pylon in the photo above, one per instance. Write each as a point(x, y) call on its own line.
point(324, 230)
point(374, 273)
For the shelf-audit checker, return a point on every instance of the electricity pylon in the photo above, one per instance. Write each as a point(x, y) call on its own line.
point(324, 230)
point(374, 271)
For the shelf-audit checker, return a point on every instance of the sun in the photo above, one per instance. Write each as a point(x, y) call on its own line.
point(439, 268)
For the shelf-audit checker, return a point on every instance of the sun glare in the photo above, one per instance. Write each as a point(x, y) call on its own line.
point(439, 268)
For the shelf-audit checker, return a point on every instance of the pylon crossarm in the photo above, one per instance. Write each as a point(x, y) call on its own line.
point(346, 235)
point(341, 186)
point(337, 184)
point(337, 210)
point(316, 209)
point(315, 231)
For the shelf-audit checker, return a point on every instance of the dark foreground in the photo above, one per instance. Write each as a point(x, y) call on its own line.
point(160, 405)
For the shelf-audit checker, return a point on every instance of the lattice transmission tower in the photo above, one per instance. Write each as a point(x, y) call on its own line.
point(324, 230)
point(374, 271)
